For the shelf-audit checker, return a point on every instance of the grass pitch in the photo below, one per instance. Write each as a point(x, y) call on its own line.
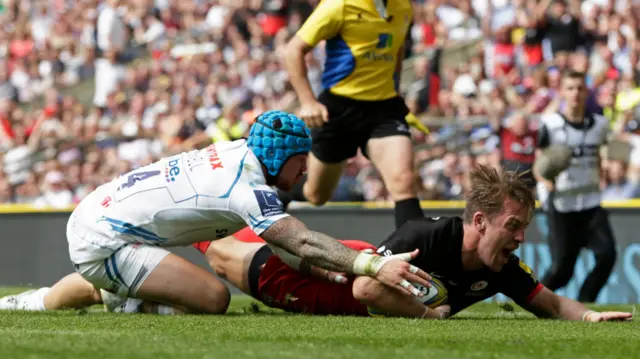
point(250, 330)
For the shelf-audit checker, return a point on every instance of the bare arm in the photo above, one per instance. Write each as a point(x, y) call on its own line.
point(547, 304)
point(313, 248)
point(296, 67)
point(388, 302)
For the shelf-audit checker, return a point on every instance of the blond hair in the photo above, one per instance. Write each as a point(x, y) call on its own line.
point(490, 188)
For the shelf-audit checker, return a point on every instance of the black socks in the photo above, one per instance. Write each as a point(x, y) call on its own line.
point(406, 210)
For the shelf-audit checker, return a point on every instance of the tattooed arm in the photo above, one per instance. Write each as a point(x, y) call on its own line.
point(313, 248)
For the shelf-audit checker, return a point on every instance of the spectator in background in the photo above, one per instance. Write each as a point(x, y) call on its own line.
point(617, 186)
point(517, 145)
point(112, 39)
point(214, 65)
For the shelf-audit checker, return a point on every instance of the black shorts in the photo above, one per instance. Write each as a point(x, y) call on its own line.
point(259, 259)
point(352, 123)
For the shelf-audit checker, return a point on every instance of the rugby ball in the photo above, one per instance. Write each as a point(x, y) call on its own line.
point(433, 296)
point(553, 160)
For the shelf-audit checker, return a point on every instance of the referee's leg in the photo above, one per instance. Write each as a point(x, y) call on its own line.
point(602, 242)
point(564, 247)
point(391, 151)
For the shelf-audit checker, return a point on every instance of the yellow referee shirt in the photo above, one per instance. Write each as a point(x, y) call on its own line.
point(362, 45)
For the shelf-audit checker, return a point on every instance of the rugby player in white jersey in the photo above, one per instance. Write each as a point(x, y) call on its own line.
point(116, 235)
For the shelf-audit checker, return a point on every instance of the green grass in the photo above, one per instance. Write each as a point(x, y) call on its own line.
point(247, 331)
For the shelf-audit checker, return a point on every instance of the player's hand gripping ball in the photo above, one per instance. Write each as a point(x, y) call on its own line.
point(434, 296)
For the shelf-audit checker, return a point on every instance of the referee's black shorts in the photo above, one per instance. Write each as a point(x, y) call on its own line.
point(352, 123)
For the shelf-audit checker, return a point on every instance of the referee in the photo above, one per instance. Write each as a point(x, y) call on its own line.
point(572, 201)
point(359, 106)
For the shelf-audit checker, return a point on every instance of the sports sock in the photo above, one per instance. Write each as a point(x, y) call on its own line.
point(157, 308)
point(167, 310)
point(35, 300)
point(406, 210)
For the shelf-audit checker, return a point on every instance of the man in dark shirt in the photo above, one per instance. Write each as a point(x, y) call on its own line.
point(473, 256)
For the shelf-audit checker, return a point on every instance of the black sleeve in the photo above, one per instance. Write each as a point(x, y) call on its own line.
point(518, 281)
point(543, 136)
point(421, 234)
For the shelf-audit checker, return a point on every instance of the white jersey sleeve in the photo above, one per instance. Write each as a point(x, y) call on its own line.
point(259, 206)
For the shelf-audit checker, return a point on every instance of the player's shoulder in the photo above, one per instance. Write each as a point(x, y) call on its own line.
point(600, 120)
point(434, 226)
point(552, 120)
point(516, 264)
point(336, 7)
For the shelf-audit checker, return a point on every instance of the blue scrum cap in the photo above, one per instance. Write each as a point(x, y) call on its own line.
point(275, 136)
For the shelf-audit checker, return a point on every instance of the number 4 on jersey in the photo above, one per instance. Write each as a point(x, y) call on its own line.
point(136, 177)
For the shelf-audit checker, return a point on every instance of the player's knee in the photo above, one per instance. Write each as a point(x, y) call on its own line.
point(217, 299)
point(607, 258)
point(366, 289)
point(402, 183)
point(316, 196)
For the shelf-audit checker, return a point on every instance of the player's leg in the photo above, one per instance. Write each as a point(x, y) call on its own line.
point(176, 282)
point(71, 292)
point(564, 246)
point(334, 143)
point(321, 180)
point(391, 151)
point(152, 274)
point(602, 242)
point(230, 259)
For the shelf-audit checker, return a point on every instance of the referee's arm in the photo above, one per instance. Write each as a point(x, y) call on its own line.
point(324, 23)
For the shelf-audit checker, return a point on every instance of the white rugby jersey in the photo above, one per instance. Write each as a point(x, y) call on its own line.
point(578, 187)
point(180, 200)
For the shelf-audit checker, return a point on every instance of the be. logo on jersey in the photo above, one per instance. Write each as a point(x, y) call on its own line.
point(214, 160)
point(172, 171)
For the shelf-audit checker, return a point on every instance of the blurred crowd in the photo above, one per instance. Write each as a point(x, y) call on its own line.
point(175, 75)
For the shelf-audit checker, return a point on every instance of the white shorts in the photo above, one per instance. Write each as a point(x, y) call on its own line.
point(125, 270)
point(108, 262)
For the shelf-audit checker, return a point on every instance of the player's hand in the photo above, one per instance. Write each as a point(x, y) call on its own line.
point(314, 114)
point(333, 277)
point(607, 316)
point(441, 312)
point(548, 185)
point(397, 273)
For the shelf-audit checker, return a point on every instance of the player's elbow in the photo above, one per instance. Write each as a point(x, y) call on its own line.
point(294, 50)
point(366, 290)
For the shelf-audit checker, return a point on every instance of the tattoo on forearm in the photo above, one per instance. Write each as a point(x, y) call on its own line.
point(314, 248)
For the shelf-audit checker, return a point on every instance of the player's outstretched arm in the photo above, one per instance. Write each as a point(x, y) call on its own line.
point(388, 302)
point(547, 304)
point(324, 251)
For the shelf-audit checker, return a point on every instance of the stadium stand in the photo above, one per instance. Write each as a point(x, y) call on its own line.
point(90, 89)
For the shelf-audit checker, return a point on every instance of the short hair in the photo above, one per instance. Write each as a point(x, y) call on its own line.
point(573, 74)
point(490, 188)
